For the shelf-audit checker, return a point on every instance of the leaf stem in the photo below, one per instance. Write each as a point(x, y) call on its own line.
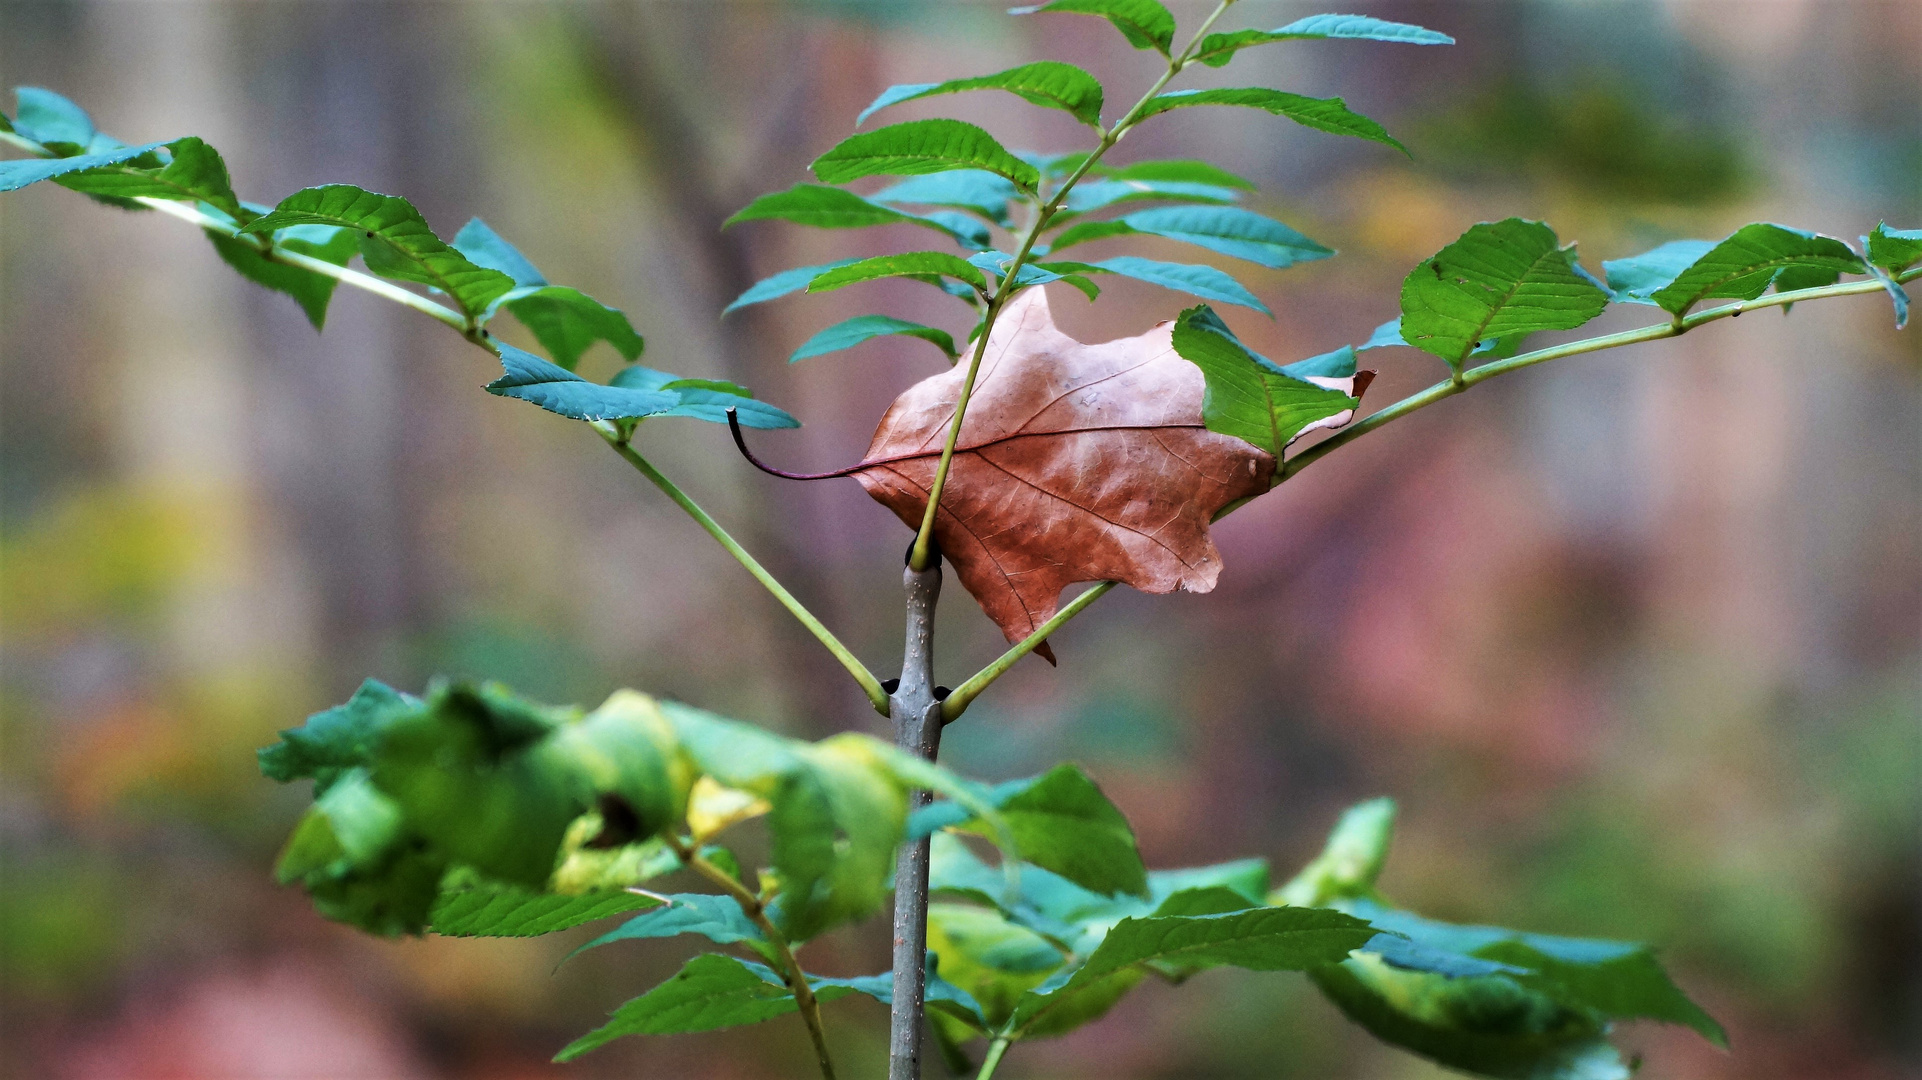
point(920, 556)
point(1460, 381)
point(791, 971)
point(995, 1050)
point(957, 702)
point(869, 684)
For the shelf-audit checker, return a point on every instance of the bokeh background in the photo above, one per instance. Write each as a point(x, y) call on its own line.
point(1634, 638)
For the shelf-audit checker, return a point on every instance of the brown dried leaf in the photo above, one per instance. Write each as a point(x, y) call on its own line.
point(1075, 463)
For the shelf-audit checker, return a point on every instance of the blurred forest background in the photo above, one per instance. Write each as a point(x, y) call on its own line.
point(1634, 638)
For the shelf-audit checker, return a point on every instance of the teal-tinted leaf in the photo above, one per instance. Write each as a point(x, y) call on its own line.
point(1259, 939)
point(558, 390)
point(485, 247)
point(919, 147)
point(1090, 196)
point(1229, 230)
point(1047, 83)
point(195, 172)
point(395, 242)
point(1489, 1026)
point(916, 264)
point(1385, 335)
point(1637, 278)
point(493, 910)
point(1062, 822)
point(1322, 114)
point(983, 193)
point(479, 780)
point(717, 918)
point(852, 332)
point(1247, 878)
point(1251, 398)
point(989, 958)
point(567, 322)
point(337, 739)
point(1742, 266)
point(1897, 294)
point(966, 231)
point(1145, 23)
point(1180, 172)
point(310, 290)
point(1894, 250)
point(703, 399)
point(783, 283)
point(1217, 49)
point(15, 175)
point(1203, 281)
point(832, 208)
point(1499, 279)
point(52, 121)
point(1351, 860)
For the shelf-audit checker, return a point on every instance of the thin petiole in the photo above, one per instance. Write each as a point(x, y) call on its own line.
point(957, 702)
point(996, 1049)
point(870, 685)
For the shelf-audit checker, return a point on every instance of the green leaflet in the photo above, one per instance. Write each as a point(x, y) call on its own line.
point(781, 284)
point(851, 332)
point(1498, 280)
point(395, 242)
point(1180, 171)
point(1636, 279)
point(196, 172)
point(973, 190)
point(352, 854)
point(338, 739)
point(1350, 862)
point(993, 960)
point(567, 322)
point(716, 918)
point(1145, 23)
point(1322, 114)
point(712, 991)
point(914, 264)
point(705, 399)
point(491, 910)
point(919, 147)
point(1062, 822)
point(15, 175)
point(1894, 250)
point(1248, 396)
point(1488, 1026)
point(1229, 230)
point(833, 208)
point(1203, 281)
point(1047, 83)
point(558, 390)
point(1089, 196)
point(55, 122)
point(1216, 50)
point(310, 290)
point(1743, 266)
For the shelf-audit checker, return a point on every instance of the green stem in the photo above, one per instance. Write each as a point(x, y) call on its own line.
point(1461, 381)
point(791, 971)
point(921, 555)
point(956, 703)
point(995, 1050)
point(869, 684)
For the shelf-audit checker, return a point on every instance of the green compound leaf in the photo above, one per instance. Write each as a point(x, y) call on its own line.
point(977, 192)
point(1062, 822)
point(395, 241)
point(493, 910)
point(1894, 250)
point(852, 332)
point(1203, 281)
point(782, 284)
point(919, 147)
point(540, 382)
point(1047, 83)
point(1145, 23)
point(1180, 171)
point(567, 322)
point(717, 918)
point(1259, 939)
point(1229, 230)
point(1488, 1026)
point(1251, 398)
point(1322, 114)
point(336, 740)
point(920, 265)
point(1743, 266)
point(15, 175)
point(195, 172)
point(1636, 279)
point(1217, 49)
point(310, 290)
point(1497, 281)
